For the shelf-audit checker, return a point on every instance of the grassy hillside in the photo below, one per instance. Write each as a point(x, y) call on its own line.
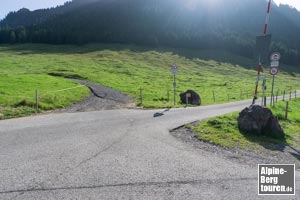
point(129, 68)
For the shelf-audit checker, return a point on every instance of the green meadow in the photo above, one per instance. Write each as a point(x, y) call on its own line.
point(127, 68)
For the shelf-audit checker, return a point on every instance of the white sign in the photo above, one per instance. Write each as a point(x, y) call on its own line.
point(275, 64)
point(174, 69)
point(274, 71)
point(275, 56)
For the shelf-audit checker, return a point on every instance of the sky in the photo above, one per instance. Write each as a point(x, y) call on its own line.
point(294, 3)
point(14, 5)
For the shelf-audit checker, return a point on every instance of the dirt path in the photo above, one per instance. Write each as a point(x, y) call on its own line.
point(101, 98)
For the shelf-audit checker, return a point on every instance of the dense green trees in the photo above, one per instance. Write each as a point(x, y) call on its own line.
point(230, 25)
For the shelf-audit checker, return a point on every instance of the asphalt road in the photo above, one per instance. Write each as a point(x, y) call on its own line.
point(119, 154)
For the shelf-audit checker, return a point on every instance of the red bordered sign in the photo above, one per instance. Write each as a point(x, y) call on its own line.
point(274, 71)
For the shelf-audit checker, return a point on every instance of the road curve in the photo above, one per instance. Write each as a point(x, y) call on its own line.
point(118, 154)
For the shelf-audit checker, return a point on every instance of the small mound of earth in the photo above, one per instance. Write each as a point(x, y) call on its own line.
point(101, 98)
point(286, 155)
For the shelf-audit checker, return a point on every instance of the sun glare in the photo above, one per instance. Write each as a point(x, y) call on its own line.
point(211, 4)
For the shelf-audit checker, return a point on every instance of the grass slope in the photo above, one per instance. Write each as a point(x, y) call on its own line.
point(129, 68)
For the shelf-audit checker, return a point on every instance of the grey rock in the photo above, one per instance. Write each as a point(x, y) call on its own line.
point(194, 98)
point(259, 120)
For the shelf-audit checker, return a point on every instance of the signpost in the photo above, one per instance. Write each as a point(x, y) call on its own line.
point(174, 71)
point(274, 69)
point(262, 44)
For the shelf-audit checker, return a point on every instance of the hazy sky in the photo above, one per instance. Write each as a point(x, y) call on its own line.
point(14, 5)
point(294, 3)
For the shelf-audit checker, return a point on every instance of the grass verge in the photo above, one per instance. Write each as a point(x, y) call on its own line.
point(223, 130)
point(18, 96)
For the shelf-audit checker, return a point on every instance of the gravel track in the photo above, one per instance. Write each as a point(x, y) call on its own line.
point(101, 98)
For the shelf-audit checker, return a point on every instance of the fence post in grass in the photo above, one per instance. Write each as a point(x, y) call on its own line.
point(141, 96)
point(283, 95)
point(214, 97)
point(286, 110)
point(168, 93)
point(265, 101)
point(290, 95)
point(295, 94)
point(36, 100)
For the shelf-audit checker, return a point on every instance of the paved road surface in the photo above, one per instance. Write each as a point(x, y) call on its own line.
point(119, 154)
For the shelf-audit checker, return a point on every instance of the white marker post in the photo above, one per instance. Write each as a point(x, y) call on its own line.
point(174, 71)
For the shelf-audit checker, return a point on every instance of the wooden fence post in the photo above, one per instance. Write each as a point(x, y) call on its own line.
point(141, 96)
point(214, 97)
point(286, 110)
point(36, 100)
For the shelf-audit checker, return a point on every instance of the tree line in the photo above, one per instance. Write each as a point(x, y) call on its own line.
point(170, 23)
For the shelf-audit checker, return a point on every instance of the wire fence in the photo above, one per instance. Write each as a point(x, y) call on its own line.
point(43, 99)
point(145, 98)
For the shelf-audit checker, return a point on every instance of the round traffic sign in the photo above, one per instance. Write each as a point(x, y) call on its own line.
point(274, 71)
point(275, 56)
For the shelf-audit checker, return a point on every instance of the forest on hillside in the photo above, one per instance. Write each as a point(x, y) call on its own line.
point(230, 25)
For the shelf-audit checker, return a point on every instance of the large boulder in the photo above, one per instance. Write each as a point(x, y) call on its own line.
point(259, 120)
point(192, 97)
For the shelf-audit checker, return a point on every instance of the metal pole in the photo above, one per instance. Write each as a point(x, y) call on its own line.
point(272, 95)
point(174, 89)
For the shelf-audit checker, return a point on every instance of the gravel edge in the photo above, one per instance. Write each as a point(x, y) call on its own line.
point(267, 156)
